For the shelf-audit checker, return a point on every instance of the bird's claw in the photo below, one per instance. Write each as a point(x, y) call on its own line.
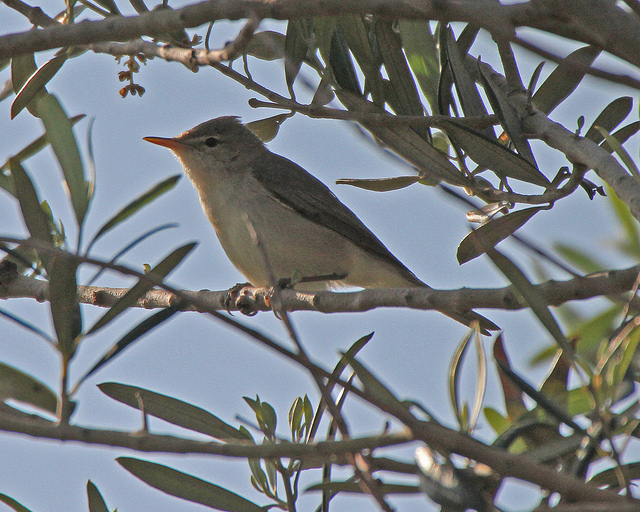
point(241, 298)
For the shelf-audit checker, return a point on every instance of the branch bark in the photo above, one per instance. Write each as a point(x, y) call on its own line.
point(555, 293)
point(590, 21)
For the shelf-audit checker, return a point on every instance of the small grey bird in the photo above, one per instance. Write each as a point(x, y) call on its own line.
point(308, 237)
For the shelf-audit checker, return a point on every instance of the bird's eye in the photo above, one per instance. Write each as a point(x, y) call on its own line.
point(211, 142)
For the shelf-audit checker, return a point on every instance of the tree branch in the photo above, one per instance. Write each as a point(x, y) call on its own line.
point(555, 293)
point(593, 21)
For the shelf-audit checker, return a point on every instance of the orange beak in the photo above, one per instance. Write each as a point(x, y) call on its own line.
point(172, 144)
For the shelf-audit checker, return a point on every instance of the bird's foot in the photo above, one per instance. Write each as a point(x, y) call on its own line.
point(241, 296)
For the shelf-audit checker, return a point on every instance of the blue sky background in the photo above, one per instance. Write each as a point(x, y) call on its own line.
point(200, 361)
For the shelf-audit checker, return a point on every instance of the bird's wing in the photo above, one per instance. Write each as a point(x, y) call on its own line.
point(312, 199)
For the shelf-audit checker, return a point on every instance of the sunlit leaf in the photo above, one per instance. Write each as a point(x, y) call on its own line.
point(36, 83)
point(620, 151)
point(187, 487)
point(455, 371)
point(420, 48)
point(622, 135)
point(172, 410)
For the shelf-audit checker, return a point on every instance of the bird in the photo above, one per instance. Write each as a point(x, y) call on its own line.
point(276, 221)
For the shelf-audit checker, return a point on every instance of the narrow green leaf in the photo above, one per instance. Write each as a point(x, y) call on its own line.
point(620, 151)
point(96, 501)
point(25, 153)
point(60, 136)
point(22, 67)
point(356, 34)
point(36, 84)
point(420, 48)
point(492, 155)
point(110, 6)
point(497, 422)
point(341, 64)
point(433, 165)
point(141, 287)
point(135, 205)
point(481, 382)
point(631, 242)
point(343, 362)
point(532, 297)
point(612, 115)
point(186, 486)
point(454, 380)
point(395, 62)
point(565, 78)
point(580, 259)
point(131, 245)
point(611, 477)
point(508, 116)
point(267, 45)
point(513, 399)
point(622, 135)
point(470, 99)
point(32, 213)
point(533, 82)
point(139, 6)
point(544, 401)
point(23, 323)
point(373, 387)
point(380, 184)
point(13, 503)
point(296, 44)
point(488, 235)
point(172, 410)
point(63, 297)
point(446, 103)
point(143, 328)
point(17, 385)
point(356, 488)
point(266, 129)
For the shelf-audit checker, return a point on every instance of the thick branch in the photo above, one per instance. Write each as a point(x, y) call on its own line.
point(505, 463)
point(555, 293)
point(146, 442)
point(592, 21)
